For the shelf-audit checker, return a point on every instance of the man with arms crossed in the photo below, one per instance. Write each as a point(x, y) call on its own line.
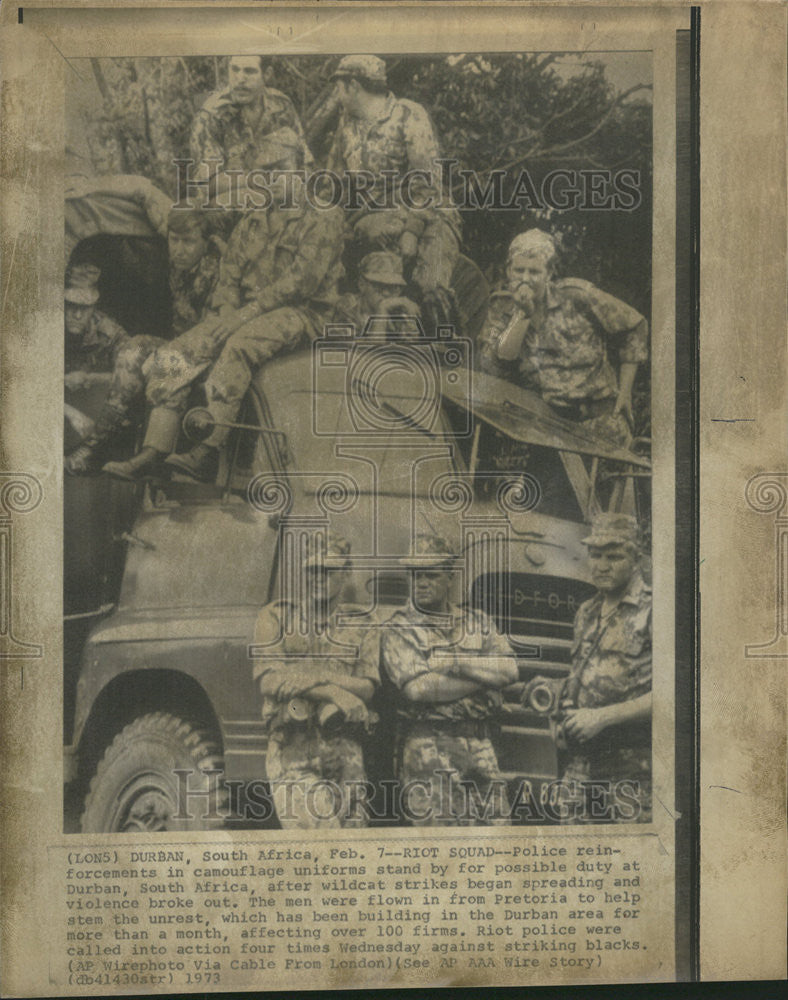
point(317, 679)
point(448, 665)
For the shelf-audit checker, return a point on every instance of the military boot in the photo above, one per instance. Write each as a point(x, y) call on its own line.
point(84, 459)
point(81, 461)
point(201, 463)
point(145, 463)
point(160, 438)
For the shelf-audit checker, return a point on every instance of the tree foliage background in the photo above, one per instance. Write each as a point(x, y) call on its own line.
point(494, 111)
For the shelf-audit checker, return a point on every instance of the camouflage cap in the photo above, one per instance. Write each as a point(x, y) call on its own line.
point(181, 220)
point(533, 243)
point(83, 275)
point(366, 67)
point(281, 145)
point(81, 284)
point(428, 550)
point(613, 529)
point(81, 295)
point(331, 551)
point(383, 267)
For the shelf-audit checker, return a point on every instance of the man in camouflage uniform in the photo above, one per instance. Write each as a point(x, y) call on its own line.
point(379, 132)
point(93, 341)
point(193, 273)
point(232, 124)
point(315, 696)
point(277, 287)
point(381, 285)
point(605, 703)
point(553, 336)
point(448, 664)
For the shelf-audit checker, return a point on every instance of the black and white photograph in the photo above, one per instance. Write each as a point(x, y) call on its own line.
point(392, 495)
point(357, 440)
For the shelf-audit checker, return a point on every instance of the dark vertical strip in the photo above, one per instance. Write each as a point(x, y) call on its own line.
point(687, 633)
point(695, 442)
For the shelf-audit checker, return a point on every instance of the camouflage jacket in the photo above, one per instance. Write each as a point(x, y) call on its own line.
point(410, 639)
point(191, 292)
point(303, 655)
point(611, 658)
point(222, 131)
point(564, 353)
point(97, 348)
point(402, 139)
point(282, 256)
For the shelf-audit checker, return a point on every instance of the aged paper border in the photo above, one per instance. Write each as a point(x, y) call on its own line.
point(36, 208)
point(379, 33)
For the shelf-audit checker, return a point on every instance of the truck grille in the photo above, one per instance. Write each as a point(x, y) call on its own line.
point(537, 614)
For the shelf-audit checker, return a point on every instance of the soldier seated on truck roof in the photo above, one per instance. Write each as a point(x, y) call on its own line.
point(277, 288)
point(194, 251)
point(234, 123)
point(381, 286)
point(392, 139)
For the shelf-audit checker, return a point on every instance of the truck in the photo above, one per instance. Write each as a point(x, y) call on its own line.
point(375, 438)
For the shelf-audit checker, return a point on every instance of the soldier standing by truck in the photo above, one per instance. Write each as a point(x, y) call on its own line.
point(317, 679)
point(604, 718)
point(93, 343)
point(448, 665)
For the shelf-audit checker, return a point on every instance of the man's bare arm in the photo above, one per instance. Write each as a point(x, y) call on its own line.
point(435, 687)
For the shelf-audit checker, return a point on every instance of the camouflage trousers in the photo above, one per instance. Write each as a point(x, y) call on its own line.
point(435, 763)
point(177, 365)
point(244, 353)
point(127, 389)
point(608, 787)
point(316, 781)
point(596, 417)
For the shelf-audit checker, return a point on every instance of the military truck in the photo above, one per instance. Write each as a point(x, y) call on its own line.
point(373, 438)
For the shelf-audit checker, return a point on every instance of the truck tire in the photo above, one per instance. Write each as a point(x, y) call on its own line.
point(135, 787)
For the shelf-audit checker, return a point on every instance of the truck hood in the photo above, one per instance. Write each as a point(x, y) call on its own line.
point(524, 416)
point(177, 624)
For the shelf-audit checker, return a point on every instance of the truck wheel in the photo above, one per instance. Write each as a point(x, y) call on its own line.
point(135, 787)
